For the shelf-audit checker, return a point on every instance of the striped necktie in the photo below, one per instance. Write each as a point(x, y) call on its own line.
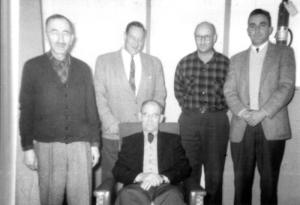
point(132, 75)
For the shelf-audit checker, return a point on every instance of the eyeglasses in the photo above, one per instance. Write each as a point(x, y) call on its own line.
point(203, 38)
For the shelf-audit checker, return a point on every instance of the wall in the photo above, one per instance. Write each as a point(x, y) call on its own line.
point(31, 44)
point(6, 143)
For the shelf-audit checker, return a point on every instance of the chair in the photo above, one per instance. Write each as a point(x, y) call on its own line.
point(105, 193)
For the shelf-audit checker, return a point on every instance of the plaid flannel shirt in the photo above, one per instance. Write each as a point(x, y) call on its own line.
point(198, 84)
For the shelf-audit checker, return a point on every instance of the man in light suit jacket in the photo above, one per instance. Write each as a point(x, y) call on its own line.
point(259, 86)
point(151, 163)
point(123, 80)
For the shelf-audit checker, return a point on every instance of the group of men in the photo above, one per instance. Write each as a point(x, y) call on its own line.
point(60, 107)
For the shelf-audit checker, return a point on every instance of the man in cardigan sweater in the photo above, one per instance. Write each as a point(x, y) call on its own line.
point(59, 124)
point(123, 81)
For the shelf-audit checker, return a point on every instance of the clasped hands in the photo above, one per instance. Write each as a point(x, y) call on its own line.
point(148, 180)
point(253, 117)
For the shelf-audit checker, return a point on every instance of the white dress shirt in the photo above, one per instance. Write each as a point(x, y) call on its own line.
point(255, 69)
point(126, 57)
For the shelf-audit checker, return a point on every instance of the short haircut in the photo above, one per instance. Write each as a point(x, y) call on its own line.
point(59, 16)
point(152, 101)
point(135, 24)
point(261, 12)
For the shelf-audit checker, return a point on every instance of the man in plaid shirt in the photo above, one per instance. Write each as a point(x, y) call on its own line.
point(204, 124)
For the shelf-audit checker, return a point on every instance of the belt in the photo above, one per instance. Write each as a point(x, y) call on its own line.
point(203, 110)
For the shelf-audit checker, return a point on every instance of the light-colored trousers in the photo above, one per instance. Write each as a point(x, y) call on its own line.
point(64, 168)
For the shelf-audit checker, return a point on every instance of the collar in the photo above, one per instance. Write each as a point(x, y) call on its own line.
point(66, 61)
point(261, 47)
point(128, 55)
point(211, 59)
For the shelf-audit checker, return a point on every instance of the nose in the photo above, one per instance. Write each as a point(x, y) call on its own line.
point(61, 38)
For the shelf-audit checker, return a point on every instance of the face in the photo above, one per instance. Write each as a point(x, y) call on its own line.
point(151, 117)
point(60, 37)
point(134, 40)
point(205, 38)
point(259, 29)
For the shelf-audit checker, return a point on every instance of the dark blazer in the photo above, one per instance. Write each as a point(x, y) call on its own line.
point(51, 111)
point(172, 161)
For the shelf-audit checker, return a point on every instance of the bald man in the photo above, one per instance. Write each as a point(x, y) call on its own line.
point(204, 125)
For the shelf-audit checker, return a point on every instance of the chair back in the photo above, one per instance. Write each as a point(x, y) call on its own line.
point(129, 128)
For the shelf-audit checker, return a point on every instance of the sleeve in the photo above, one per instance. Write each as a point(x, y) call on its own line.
point(231, 90)
point(286, 84)
point(160, 87)
point(106, 116)
point(91, 110)
point(181, 168)
point(123, 171)
point(179, 88)
point(27, 104)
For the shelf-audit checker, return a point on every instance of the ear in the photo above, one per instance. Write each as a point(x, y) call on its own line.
point(162, 118)
point(270, 30)
point(215, 38)
point(140, 116)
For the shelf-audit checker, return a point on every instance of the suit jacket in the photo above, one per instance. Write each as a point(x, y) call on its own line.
point(277, 86)
point(172, 161)
point(115, 100)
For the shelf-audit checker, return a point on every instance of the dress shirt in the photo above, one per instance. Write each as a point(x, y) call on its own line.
point(61, 67)
point(198, 84)
point(126, 57)
point(255, 70)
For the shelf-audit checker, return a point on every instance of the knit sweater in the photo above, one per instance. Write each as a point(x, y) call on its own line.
point(52, 111)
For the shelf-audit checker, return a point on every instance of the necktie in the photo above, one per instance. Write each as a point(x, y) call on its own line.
point(132, 74)
point(150, 137)
point(257, 50)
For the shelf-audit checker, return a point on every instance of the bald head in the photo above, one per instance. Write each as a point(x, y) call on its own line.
point(205, 25)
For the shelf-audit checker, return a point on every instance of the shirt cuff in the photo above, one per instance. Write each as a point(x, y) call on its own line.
point(165, 179)
point(266, 113)
point(138, 178)
point(241, 112)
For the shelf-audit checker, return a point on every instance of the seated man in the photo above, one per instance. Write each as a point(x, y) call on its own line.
point(151, 163)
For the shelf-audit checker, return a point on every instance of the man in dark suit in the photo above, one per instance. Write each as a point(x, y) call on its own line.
point(151, 163)
point(258, 88)
point(59, 124)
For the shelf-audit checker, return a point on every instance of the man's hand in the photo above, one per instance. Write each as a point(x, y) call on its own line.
point(151, 180)
point(95, 155)
point(246, 115)
point(114, 128)
point(257, 117)
point(30, 159)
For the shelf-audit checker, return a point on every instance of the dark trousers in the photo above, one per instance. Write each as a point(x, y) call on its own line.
point(253, 150)
point(205, 139)
point(164, 194)
point(109, 156)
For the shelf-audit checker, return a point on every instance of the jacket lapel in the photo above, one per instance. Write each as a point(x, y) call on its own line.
point(140, 152)
point(144, 75)
point(121, 72)
point(245, 73)
point(160, 149)
point(267, 62)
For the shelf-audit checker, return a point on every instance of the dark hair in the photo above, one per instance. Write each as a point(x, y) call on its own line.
point(59, 16)
point(161, 107)
point(136, 24)
point(261, 12)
